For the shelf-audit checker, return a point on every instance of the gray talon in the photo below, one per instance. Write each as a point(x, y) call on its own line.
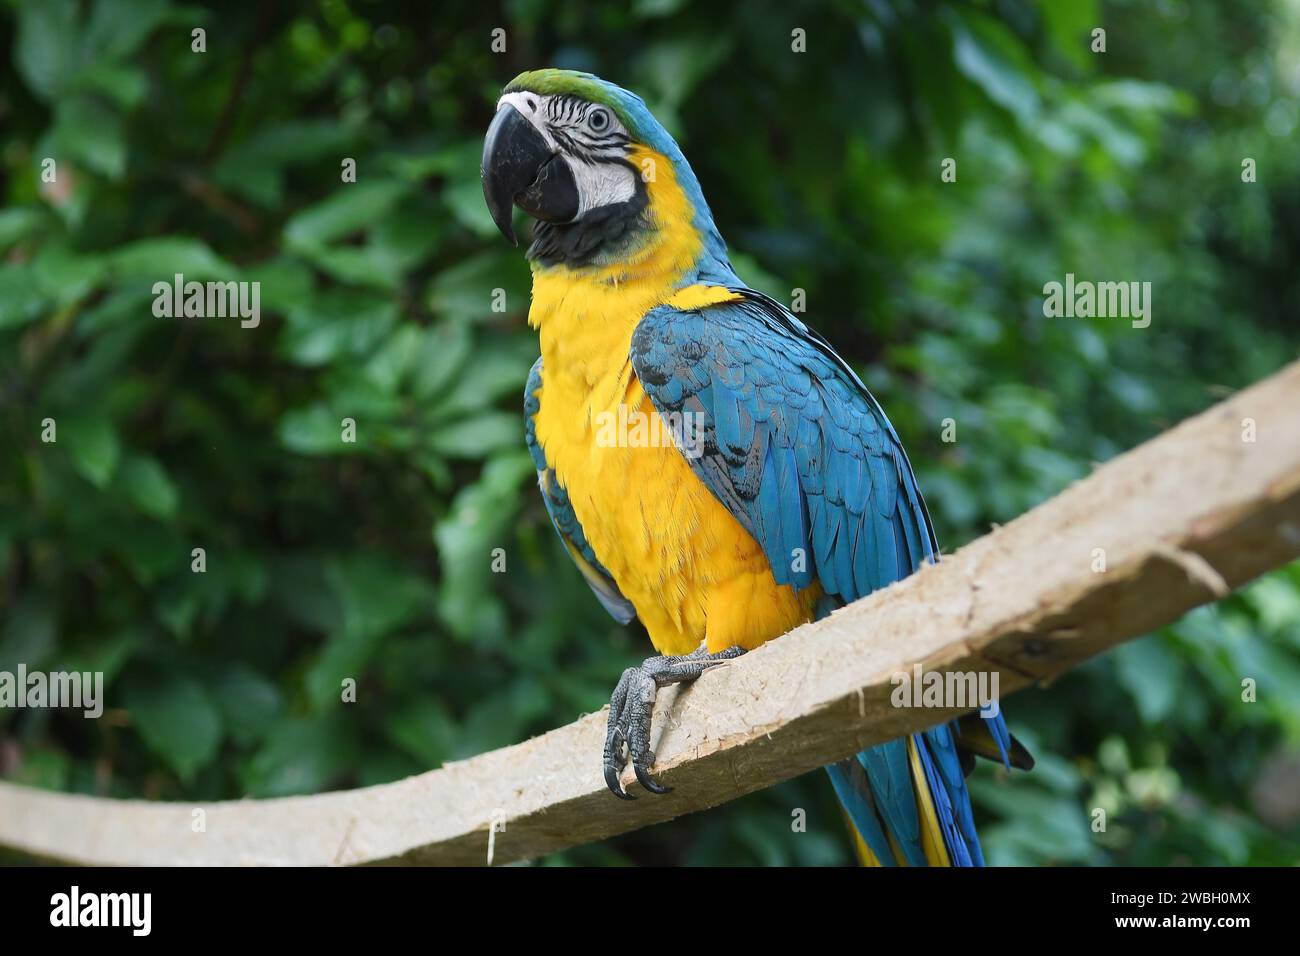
point(632, 705)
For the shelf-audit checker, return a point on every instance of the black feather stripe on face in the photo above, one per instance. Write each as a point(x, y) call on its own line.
point(566, 120)
point(604, 234)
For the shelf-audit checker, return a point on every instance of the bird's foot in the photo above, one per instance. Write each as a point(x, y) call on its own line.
point(632, 705)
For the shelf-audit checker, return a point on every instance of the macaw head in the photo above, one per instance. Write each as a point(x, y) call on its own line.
point(589, 162)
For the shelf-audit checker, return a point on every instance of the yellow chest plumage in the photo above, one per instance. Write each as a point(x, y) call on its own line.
point(690, 569)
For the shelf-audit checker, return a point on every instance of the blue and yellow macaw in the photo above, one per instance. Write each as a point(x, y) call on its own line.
point(797, 497)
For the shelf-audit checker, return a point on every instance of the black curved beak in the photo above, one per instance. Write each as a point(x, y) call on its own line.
point(520, 169)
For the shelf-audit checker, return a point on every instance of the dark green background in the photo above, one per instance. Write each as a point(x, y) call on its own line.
point(327, 560)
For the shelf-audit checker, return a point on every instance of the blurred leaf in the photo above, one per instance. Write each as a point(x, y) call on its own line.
point(673, 68)
point(161, 259)
point(93, 447)
point(376, 598)
point(987, 53)
point(352, 207)
point(89, 132)
point(30, 634)
point(15, 224)
point(146, 484)
point(125, 86)
point(303, 755)
point(479, 436)
point(442, 352)
point(466, 290)
point(1070, 26)
point(47, 50)
point(255, 168)
point(20, 299)
point(466, 537)
point(117, 28)
point(175, 717)
point(423, 729)
point(313, 431)
point(1151, 675)
point(330, 326)
point(250, 704)
point(107, 656)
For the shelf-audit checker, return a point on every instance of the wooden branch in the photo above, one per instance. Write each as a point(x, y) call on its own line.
point(1180, 520)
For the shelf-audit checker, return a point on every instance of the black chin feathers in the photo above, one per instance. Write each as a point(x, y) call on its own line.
point(600, 234)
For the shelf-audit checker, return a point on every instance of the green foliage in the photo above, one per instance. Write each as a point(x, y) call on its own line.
point(372, 560)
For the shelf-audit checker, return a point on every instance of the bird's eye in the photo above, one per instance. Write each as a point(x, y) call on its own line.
point(598, 120)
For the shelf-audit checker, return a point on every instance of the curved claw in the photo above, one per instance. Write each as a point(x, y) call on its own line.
point(649, 782)
point(630, 709)
point(616, 788)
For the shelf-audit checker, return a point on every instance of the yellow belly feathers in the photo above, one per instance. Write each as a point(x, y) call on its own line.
point(690, 569)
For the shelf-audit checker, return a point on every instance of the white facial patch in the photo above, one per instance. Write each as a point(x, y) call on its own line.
point(589, 144)
point(601, 184)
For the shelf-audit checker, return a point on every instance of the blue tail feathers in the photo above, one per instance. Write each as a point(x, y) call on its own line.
point(894, 793)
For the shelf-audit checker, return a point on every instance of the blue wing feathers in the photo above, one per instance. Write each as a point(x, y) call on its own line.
point(828, 480)
point(804, 457)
